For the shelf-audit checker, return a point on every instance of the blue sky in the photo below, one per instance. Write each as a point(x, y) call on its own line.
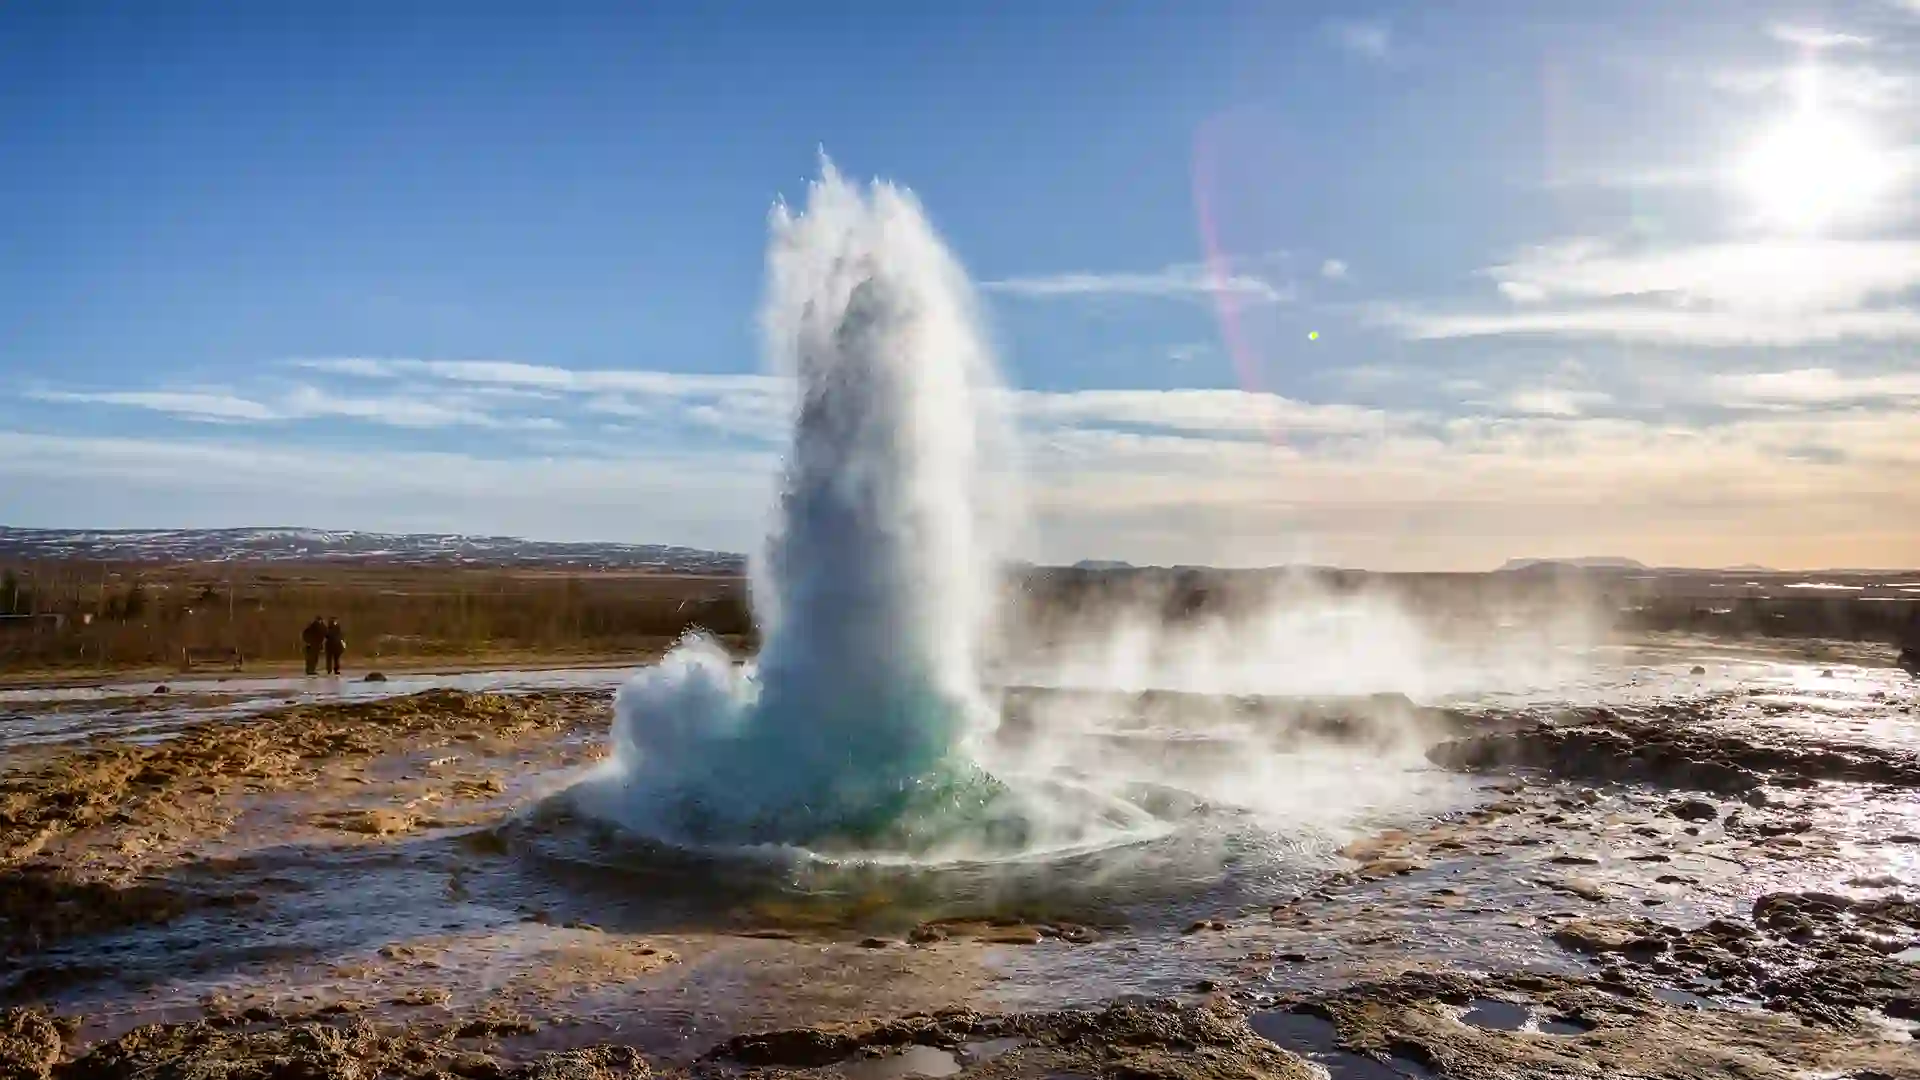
point(494, 267)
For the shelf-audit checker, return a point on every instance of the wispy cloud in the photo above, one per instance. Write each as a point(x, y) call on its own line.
point(444, 394)
point(307, 402)
point(1217, 413)
point(354, 367)
point(1178, 281)
point(1334, 270)
point(1812, 37)
point(190, 404)
point(1556, 401)
point(1370, 39)
point(296, 403)
point(1850, 85)
point(1814, 387)
point(1780, 275)
point(1662, 326)
point(1775, 292)
point(541, 376)
point(737, 404)
point(1655, 178)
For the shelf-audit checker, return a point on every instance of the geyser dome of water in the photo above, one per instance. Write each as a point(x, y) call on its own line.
point(853, 730)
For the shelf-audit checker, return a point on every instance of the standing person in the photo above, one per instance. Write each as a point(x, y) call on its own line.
point(336, 645)
point(311, 640)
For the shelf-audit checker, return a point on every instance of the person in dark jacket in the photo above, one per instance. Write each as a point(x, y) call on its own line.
point(312, 639)
point(336, 646)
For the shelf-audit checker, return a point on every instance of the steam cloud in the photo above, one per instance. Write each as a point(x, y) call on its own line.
point(865, 729)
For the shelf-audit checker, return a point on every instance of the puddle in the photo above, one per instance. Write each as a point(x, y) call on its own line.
point(1496, 1015)
point(988, 1049)
point(1313, 1038)
point(913, 1061)
point(1684, 998)
point(1492, 1014)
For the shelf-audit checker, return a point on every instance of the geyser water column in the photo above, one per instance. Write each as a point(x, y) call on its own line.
point(876, 581)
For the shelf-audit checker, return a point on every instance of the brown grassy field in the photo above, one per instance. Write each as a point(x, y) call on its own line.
point(95, 618)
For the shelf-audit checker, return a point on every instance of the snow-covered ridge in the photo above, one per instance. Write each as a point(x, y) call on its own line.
point(282, 544)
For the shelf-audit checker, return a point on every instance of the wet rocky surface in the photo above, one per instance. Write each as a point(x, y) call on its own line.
point(1669, 745)
point(1519, 1025)
point(1703, 883)
point(114, 834)
point(1128, 1038)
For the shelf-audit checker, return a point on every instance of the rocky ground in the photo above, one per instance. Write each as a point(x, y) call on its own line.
point(91, 839)
point(1678, 889)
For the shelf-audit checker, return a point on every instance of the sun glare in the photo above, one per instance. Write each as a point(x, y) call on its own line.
point(1811, 170)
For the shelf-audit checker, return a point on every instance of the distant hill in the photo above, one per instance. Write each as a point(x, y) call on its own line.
point(292, 544)
point(1584, 562)
point(346, 545)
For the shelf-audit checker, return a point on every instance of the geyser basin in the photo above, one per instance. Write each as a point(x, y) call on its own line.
point(1223, 802)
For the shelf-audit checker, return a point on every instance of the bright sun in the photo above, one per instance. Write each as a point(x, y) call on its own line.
point(1812, 169)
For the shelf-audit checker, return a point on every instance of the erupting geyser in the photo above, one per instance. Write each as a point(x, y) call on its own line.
point(875, 588)
point(863, 732)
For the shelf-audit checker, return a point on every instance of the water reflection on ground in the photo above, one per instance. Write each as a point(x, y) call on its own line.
point(1309, 853)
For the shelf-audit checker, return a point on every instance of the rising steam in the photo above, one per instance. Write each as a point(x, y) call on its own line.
point(865, 728)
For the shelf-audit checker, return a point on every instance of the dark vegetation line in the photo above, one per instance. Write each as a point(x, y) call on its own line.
point(91, 615)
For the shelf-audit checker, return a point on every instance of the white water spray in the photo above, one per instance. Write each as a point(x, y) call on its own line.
point(860, 732)
point(875, 587)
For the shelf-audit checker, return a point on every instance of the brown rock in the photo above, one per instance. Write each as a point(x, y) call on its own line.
point(591, 1063)
point(1597, 937)
point(1382, 868)
point(31, 1042)
point(1693, 810)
